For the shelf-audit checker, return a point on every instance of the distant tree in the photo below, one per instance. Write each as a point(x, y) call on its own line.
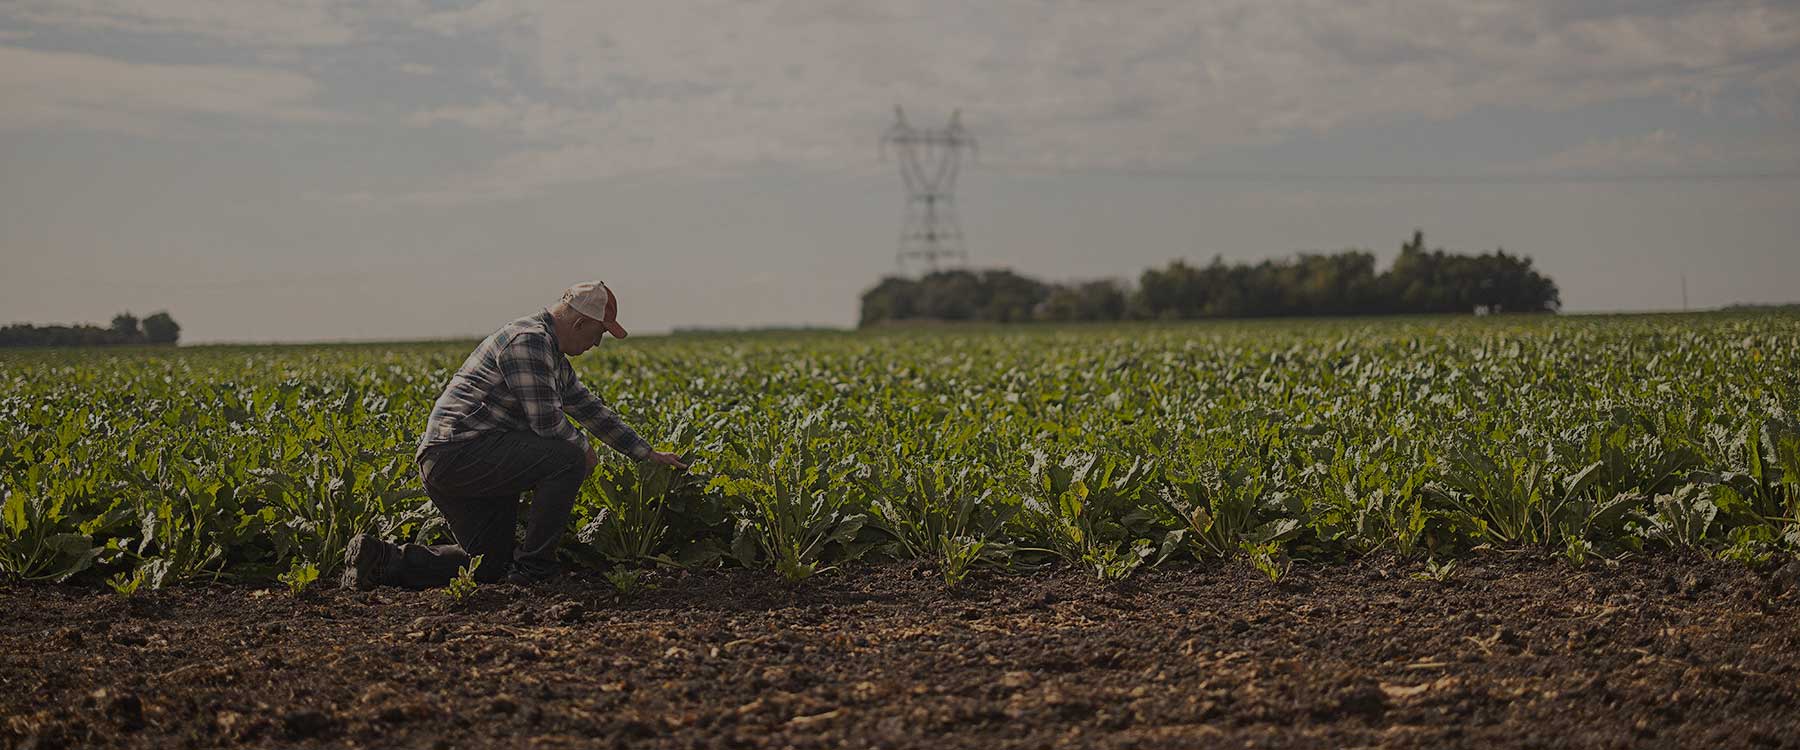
point(1439, 282)
point(1507, 283)
point(1088, 300)
point(1421, 280)
point(159, 328)
point(82, 335)
point(125, 329)
point(999, 296)
point(125, 325)
point(1007, 297)
point(950, 295)
point(1178, 292)
point(894, 298)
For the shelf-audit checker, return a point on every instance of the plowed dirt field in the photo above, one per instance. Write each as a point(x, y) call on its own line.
point(1512, 650)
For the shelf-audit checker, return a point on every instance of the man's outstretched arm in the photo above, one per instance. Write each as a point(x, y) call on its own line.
point(587, 409)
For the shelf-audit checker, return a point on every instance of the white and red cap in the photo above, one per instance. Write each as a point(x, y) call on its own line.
point(593, 299)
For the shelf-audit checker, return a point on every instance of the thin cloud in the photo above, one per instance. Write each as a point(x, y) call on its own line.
point(255, 23)
point(1074, 84)
point(572, 91)
point(59, 89)
point(483, 16)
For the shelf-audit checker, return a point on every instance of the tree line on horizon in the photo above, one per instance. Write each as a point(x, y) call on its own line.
point(1309, 284)
point(126, 330)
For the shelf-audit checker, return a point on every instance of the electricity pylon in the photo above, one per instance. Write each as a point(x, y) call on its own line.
point(928, 159)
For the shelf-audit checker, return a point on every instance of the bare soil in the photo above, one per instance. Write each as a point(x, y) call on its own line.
point(1512, 650)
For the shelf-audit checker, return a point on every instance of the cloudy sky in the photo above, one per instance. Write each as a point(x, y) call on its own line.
point(282, 170)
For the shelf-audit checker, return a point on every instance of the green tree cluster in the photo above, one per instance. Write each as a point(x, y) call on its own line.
point(1313, 284)
point(996, 295)
point(126, 329)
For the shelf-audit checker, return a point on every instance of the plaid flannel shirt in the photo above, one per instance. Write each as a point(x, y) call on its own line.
point(518, 379)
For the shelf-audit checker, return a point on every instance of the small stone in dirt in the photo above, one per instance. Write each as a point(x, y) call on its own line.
point(1239, 625)
point(503, 704)
point(126, 708)
point(228, 722)
point(1296, 585)
point(1789, 574)
point(1017, 680)
point(567, 613)
point(1367, 701)
point(632, 729)
point(864, 691)
point(1782, 580)
point(1693, 583)
point(307, 723)
point(41, 742)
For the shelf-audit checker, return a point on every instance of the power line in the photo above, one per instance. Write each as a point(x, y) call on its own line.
point(1019, 168)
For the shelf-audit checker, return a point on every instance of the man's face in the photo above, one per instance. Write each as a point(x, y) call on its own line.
point(586, 332)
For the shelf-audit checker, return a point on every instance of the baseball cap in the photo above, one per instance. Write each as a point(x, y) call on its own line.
point(593, 299)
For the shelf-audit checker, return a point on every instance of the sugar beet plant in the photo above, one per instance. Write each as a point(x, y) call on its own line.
point(795, 502)
point(1106, 449)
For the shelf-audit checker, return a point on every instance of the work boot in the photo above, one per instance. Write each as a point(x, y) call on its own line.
point(366, 562)
point(528, 575)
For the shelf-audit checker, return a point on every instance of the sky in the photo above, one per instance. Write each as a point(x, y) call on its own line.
point(314, 170)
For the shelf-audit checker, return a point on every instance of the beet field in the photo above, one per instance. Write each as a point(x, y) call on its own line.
point(1552, 531)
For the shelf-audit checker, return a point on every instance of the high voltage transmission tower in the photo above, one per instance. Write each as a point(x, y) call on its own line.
point(928, 160)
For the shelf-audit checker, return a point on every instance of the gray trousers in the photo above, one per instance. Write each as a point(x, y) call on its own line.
point(476, 484)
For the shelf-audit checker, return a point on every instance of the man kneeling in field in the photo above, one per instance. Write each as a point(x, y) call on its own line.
point(499, 429)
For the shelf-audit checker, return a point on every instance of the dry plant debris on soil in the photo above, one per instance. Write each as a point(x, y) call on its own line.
point(1515, 650)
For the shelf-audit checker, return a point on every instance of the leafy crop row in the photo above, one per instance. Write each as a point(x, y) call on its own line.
point(1106, 448)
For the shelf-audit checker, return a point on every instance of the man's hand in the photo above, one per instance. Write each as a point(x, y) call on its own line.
point(593, 459)
point(667, 459)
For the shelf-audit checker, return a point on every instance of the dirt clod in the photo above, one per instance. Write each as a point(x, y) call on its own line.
point(300, 725)
point(123, 707)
